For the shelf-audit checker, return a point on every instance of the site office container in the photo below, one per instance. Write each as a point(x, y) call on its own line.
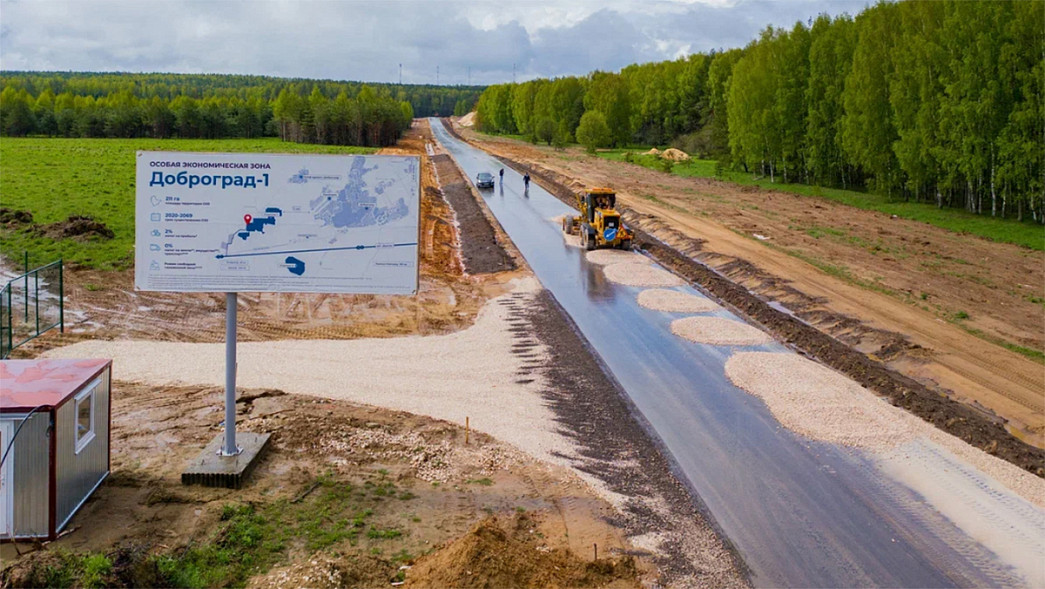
point(62, 414)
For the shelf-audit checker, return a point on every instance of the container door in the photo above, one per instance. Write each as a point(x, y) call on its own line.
point(7, 495)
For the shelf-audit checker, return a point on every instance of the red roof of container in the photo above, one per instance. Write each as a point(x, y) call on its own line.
point(44, 383)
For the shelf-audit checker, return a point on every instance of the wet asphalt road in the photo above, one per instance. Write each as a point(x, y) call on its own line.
point(800, 513)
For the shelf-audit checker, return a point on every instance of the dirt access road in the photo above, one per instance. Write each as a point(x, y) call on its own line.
point(477, 514)
point(890, 288)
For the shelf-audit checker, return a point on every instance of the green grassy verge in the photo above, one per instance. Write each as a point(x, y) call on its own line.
point(1026, 234)
point(54, 178)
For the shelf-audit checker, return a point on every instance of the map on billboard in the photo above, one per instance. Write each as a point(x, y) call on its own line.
point(211, 222)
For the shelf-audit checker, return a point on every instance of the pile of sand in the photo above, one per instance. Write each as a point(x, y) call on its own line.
point(674, 301)
point(675, 155)
point(606, 257)
point(498, 553)
point(653, 151)
point(818, 402)
point(718, 331)
point(467, 120)
point(640, 274)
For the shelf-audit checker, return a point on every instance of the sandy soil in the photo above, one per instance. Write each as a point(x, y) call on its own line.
point(897, 284)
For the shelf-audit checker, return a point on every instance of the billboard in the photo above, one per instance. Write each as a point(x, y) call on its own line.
point(239, 222)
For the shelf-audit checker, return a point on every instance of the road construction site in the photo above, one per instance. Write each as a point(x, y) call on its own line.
point(724, 456)
point(801, 513)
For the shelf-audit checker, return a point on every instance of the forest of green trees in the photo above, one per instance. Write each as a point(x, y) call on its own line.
point(939, 102)
point(218, 106)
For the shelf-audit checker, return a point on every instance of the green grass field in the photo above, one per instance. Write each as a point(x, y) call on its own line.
point(56, 178)
point(1027, 234)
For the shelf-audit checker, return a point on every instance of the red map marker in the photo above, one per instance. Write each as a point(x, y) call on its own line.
point(247, 218)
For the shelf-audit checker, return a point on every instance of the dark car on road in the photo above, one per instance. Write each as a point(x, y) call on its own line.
point(484, 180)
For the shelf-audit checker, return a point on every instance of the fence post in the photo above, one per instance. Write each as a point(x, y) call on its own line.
point(26, 272)
point(10, 322)
point(36, 300)
point(61, 296)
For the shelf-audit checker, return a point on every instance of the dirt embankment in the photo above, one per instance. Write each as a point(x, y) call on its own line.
point(481, 245)
point(978, 428)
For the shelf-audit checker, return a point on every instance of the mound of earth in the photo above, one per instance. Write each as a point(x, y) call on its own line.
point(467, 120)
point(499, 553)
point(12, 218)
point(675, 155)
point(77, 226)
point(653, 151)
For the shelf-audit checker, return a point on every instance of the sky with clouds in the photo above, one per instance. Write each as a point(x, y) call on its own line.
point(461, 42)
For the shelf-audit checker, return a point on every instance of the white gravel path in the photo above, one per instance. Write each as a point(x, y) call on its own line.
point(718, 331)
point(640, 274)
point(673, 301)
point(471, 373)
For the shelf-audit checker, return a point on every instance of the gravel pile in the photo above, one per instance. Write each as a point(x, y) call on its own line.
point(673, 301)
point(818, 402)
point(606, 257)
point(718, 331)
point(640, 274)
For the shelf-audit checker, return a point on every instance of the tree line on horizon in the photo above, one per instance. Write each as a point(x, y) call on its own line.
point(213, 106)
point(940, 102)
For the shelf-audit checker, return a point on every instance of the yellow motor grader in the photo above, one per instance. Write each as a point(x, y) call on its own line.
point(599, 223)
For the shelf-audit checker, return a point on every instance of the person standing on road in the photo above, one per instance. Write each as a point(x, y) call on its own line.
point(502, 175)
point(526, 181)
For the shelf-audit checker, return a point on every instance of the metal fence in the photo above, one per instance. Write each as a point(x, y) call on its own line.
point(30, 305)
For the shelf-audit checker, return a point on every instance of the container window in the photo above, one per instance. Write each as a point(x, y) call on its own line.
point(85, 416)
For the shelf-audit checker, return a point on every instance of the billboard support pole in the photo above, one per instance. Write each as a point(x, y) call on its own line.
point(230, 448)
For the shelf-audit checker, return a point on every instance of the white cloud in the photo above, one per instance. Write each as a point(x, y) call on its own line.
point(366, 39)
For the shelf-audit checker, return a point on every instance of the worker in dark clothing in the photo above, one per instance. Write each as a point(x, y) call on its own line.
point(502, 175)
point(526, 181)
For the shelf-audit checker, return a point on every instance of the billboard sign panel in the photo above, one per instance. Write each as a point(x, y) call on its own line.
point(239, 222)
